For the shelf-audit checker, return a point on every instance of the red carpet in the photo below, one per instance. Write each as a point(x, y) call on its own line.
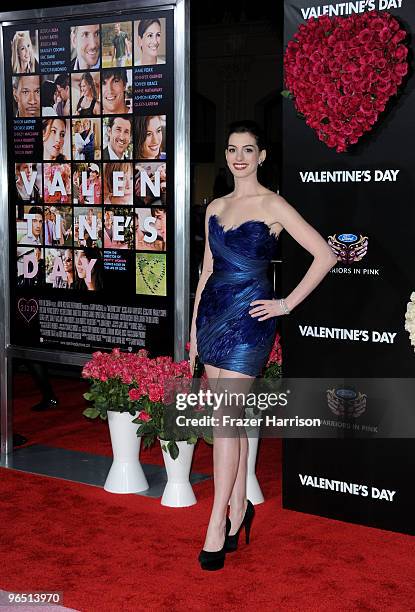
point(127, 553)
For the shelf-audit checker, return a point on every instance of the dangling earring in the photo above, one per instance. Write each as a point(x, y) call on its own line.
point(260, 163)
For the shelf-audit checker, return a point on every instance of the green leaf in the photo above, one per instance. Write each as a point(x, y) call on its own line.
point(91, 413)
point(149, 440)
point(286, 93)
point(103, 416)
point(192, 439)
point(173, 449)
point(89, 396)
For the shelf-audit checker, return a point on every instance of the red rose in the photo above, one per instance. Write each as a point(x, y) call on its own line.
point(331, 141)
point(376, 24)
point(401, 52)
point(379, 105)
point(380, 63)
point(377, 54)
point(394, 25)
point(337, 125)
point(144, 416)
point(366, 106)
point(314, 78)
point(365, 36)
point(134, 394)
point(365, 59)
point(401, 69)
point(398, 37)
point(315, 57)
point(155, 392)
point(382, 86)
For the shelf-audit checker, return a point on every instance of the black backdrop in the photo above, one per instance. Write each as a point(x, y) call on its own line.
point(369, 296)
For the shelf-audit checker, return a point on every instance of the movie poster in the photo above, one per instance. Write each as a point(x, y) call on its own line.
point(90, 121)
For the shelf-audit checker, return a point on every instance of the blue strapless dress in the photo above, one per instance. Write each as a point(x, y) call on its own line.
point(227, 336)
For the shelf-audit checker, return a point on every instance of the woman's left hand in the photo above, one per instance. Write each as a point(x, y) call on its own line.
point(265, 309)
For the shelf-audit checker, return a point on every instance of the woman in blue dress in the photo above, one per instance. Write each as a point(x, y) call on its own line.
point(235, 313)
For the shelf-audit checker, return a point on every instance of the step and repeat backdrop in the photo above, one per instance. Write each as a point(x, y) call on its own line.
point(90, 133)
point(348, 168)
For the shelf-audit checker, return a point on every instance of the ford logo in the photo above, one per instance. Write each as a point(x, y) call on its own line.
point(347, 237)
point(345, 394)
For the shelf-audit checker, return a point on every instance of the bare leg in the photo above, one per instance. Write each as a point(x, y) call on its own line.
point(238, 500)
point(229, 469)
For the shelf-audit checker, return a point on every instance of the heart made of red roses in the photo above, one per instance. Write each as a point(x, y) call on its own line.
point(342, 71)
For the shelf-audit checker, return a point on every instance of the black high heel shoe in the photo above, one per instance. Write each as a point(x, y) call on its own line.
point(231, 541)
point(214, 560)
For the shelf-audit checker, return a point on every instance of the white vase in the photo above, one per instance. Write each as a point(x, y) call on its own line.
point(178, 492)
point(253, 490)
point(126, 474)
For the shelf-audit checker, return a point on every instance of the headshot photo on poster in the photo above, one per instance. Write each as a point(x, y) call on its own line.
point(56, 139)
point(85, 47)
point(26, 96)
point(150, 41)
point(117, 91)
point(150, 136)
point(117, 138)
point(25, 52)
point(86, 94)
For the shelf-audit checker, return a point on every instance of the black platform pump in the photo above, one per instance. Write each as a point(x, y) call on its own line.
point(214, 560)
point(231, 541)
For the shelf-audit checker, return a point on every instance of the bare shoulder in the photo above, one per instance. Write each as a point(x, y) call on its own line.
point(215, 207)
point(279, 207)
point(274, 208)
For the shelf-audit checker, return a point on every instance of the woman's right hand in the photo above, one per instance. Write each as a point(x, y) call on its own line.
point(192, 354)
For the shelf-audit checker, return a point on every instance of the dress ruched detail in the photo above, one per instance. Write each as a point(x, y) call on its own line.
point(227, 336)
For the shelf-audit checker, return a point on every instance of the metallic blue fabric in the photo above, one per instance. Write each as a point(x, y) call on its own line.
point(227, 336)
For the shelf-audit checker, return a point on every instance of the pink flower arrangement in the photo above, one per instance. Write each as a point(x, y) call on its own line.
point(342, 71)
point(121, 379)
point(273, 367)
point(135, 383)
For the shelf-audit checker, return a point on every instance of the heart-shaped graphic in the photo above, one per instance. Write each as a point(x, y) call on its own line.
point(27, 308)
point(152, 272)
point(342, 71)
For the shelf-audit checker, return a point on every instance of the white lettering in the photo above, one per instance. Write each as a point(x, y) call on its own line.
point(92, 229)
point(145, 181)
point(57, 184)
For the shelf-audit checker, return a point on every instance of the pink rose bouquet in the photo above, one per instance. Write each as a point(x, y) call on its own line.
point(273, 367)
point(134, 382)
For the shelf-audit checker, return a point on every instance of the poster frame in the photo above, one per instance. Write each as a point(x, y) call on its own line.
point(181, 199)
